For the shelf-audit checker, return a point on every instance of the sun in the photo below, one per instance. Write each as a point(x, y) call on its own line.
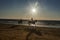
point(33, 10)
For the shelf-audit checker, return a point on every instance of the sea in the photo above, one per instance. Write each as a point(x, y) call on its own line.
point(37, 24)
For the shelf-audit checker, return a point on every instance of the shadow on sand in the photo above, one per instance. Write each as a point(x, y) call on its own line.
point(37, 32)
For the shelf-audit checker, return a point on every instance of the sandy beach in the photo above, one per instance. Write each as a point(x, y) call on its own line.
point(20, 32)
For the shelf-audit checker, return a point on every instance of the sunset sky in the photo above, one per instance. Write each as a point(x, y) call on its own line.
point(21, 9)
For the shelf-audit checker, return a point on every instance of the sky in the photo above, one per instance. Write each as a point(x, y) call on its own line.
point(22, 9)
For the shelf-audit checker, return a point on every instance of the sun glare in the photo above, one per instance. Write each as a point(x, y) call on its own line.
point(33, 10)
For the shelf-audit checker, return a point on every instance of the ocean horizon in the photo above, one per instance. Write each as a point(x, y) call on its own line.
point(38, 23)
